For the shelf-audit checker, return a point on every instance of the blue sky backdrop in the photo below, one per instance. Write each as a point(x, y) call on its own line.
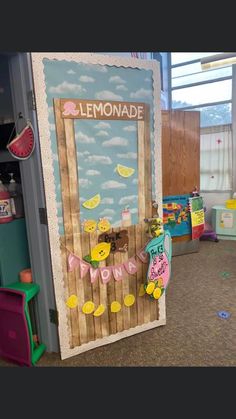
point(101, 145)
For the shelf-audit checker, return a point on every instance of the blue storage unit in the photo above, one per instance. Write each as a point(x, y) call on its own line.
point(224, 222)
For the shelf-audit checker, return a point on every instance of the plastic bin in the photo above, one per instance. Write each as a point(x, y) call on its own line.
point(231, 204)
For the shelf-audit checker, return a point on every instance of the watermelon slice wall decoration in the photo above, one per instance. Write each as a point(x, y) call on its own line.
point(22, 146)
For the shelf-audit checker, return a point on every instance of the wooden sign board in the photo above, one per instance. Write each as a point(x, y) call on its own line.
point(119, 240)
point(82, 144)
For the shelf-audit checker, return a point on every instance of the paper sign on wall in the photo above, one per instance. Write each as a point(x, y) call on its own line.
point(226, 220)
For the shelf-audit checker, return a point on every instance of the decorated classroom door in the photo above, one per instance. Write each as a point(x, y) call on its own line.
point(99, 128)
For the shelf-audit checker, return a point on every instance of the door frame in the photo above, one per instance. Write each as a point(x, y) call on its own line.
point(20, 70)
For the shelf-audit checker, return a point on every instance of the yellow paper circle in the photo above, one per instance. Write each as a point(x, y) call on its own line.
point(150, 287)
point(141, 290)
point(72, 301)
point(99, 311)
point(115, 306)
point(157, 293)
point(88, 307)
point(129, 300)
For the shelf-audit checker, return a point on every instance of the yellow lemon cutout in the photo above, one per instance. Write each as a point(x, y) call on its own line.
point(141, 290)
point(101, 251)
point(104, 225)
point(157, 293)
point(99, 311)
point(88, 307)
point(124, 171)
point(72, 301)
point(92, 202)
point(90, 226)
point(129, 300)
point(115, 306)
point(150, 287)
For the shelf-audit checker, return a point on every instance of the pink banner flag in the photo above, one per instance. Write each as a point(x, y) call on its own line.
point(93, 274)
point(143, 256)
point(105, 274)
point(131, 266)
point(84, 267)
point(73, 262)
point(118, 272)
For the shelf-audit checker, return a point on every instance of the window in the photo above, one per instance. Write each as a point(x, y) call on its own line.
point(210, 91)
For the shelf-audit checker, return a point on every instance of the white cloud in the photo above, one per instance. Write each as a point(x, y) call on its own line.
point(102, 133)
point(129, 155)
point(130, 128)
point(102, 125)
point(116, 224)
point(81, 199)
point(80, 168)
point(60, 220)
point(107, 201)
point(59, 187)
point(52, 127)
point(116, 80)
point(82, 153)
point(115, 141)
point(92, 172)
point(66, 87)
point(135, 181)
point(84, 183)
point(83, 138)
point(55, 156)
point(86, 79)
point(71, 72)
point(113, 184)
point(134, 210)
point(128, 199)
point(50, 109)
point(107, 95)
point(141, 94)
point(94, 159)
point(147, 79)
point(107, 211)
point(121, 87)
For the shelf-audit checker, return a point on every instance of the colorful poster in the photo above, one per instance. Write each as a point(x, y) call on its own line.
point(197, 216)
point(176, 216)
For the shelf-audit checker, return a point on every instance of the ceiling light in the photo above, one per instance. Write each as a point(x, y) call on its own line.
point(218, 60)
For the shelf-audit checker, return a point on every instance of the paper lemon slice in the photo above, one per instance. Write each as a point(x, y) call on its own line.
point(115, 306)
point(142, 290)
point(92, 202)
point(72, 301)
point(124, 170)
point(157, 293)
point(101, 251)
point(88, 307)
point(129, 300)
point(150, 288)
point(99, 311)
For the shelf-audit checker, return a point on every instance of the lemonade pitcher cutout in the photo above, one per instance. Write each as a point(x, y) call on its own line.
point(159, 270)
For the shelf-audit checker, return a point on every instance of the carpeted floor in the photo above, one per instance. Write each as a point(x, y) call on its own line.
point(202, 284)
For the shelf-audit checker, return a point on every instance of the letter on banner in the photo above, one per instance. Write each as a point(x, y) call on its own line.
point(84, 267)
point(73, 262)
point(105, 274)
point(93, 274)
point(118, 272)
point(143, 256)
point(131, 266)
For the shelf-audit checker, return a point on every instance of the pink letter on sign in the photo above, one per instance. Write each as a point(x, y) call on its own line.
point(73, 262)
point(93, 274)
point(84, 267)
point(105, 274)
point(118, 272)
point(131, 266)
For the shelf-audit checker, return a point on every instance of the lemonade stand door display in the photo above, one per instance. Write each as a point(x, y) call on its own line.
point(99, 126)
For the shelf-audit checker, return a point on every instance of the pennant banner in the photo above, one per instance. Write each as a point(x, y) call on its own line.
point(118, 271)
